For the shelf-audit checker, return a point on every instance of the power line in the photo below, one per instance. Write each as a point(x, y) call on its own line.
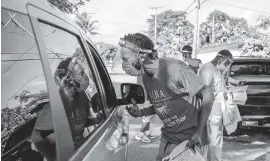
point(54, 53)
point(10, 53)
point(189, 6)
point(240, 7)
point(9, 60)
point(20, 89)
point(18, 59)
point(28, 48)
point(51, 33)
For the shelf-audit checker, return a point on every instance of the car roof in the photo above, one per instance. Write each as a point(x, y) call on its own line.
point(250, 59)
point(20, 6)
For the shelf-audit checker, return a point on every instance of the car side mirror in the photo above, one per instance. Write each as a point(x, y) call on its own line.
point(132, 92)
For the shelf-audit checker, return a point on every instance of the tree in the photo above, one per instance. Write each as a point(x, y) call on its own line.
point(85, 23)
point(30, 99)
point(173, 31)
point(257, 47)
point(23, 97)
point(106, 51)
point(38, 98)
point(67, 6)
point(219, 16)
point(263, 22)
point(227, 29)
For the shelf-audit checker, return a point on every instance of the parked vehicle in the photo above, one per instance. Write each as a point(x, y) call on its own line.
point(255, 72)
point(36, 37)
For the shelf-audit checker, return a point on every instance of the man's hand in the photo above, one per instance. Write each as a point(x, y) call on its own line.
point(241, 83)
point(99, 117)
point(51, 138)
point(194, 140)
point(134, 111)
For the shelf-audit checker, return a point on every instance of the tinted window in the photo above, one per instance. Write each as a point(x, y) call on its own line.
point(24, 90)
point(105, 78)
point(77, 86)
point(250, 68)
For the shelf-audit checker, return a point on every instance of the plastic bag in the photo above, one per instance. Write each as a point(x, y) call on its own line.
point(181, 153)
point(239, 94)
point(231, 115)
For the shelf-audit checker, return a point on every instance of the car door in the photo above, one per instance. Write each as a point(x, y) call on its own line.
point(61, 39)
point(117, 117)
point(23, 86)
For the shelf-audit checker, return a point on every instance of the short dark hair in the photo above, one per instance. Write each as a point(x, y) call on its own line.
point(140, 40)
point(225, 53)
point(187, 48)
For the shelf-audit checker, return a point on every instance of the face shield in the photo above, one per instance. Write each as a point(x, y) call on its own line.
point(224, 65)
point(130, 56)
point(76, 78)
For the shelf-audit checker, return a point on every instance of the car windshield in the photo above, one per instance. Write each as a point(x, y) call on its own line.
point(250, 68)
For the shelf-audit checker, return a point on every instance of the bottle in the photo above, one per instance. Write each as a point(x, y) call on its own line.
point(125, 133)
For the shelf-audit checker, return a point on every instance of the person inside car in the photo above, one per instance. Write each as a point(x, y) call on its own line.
point(132, 93)
point(173, 89)
point(73, 83)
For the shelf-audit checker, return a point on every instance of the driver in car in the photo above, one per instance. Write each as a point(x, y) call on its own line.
point(73, 83)
point(131, 94)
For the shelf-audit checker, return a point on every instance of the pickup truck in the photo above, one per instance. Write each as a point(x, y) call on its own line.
point(255, 72)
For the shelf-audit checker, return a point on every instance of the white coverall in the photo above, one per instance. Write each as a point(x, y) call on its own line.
point(213, 78)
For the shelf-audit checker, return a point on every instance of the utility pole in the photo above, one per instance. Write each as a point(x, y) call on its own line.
point(196, 31)
point(155, 8)
point(213, 30)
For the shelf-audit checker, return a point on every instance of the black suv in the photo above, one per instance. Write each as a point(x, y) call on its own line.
point(256, 72)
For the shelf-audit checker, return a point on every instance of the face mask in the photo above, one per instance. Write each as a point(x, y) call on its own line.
point(78, 76)
point(69, 89)
point(81, 83)
point(131, 69)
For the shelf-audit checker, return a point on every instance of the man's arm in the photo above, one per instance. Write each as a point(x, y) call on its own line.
point(94, 121)
point(134, 111)
point(206, 76)
point(148, 111)
point(207, 95)
point(197, 87)
point(235, 81)
point(208, 98)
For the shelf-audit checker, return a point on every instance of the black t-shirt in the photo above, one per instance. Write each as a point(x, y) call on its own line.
point(77, 111)
point(172, 91)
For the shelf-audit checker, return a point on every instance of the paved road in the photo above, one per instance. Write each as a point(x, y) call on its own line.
point(249, 147)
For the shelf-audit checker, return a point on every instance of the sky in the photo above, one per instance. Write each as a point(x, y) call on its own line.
point(118, 17)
